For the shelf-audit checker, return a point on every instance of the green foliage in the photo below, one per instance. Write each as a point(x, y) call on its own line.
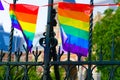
point(2, 71)
point(116, 1)
point(33, 75)
point(17, 73)
point(61, 71)
point(107, 31)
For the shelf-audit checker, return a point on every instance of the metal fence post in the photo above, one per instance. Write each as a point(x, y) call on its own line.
point(89, 71)
point(46, 75)
point(8, 77)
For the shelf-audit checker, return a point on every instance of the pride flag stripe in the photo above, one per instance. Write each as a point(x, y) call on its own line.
point(29, 35)
point(28, 26)
point(29, 42)
point(16, 25)
point(25, 17)
point(73, 22)
point(25, 8)
point(73, 48)
point(77, 41)
point(1, 6)
point(73, 14)
point(75, 32)
point(73, 1)
point(77, 7)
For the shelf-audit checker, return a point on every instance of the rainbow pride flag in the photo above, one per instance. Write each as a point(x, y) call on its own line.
point(1, 6)
point(24, 17)
point(74, 25)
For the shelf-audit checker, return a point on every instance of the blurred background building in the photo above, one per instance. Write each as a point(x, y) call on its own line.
point(4, 41)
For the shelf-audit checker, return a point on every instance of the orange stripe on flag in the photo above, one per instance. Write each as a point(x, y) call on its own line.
point(73, 14)
point(26, 17)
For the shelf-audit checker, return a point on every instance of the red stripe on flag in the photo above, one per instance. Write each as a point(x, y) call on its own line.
point(75, 7)
point(25, 8)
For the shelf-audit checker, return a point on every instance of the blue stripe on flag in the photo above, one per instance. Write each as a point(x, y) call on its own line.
point(73, 1)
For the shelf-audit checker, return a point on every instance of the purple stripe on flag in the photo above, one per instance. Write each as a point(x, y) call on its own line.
point(1, 6)
point(16, 26)
point(75, 49)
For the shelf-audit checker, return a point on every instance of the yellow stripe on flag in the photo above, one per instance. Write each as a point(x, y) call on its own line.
point(74, 23)
point(30, 27)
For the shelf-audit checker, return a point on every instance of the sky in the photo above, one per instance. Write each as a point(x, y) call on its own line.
point(98, 8)
point(42, 14)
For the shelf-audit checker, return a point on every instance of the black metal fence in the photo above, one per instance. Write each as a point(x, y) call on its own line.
point(32, 66)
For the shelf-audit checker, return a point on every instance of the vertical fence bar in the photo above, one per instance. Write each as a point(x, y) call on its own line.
point(8, 77)
point(11, 36)
point(53, 44)
point(90, 33)
point(46, 75)
point(89, 72)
